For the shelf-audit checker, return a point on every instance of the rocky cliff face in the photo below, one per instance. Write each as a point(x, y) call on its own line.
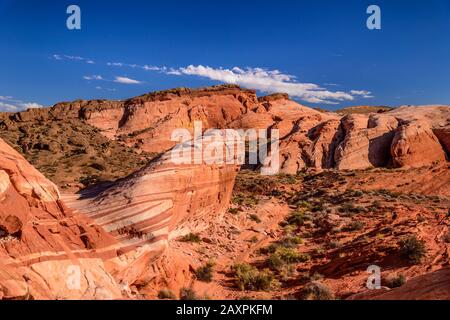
point(403, 137)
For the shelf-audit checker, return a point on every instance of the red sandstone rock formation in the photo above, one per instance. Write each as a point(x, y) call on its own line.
point(430, 286)
point(161, 201)
point(43, 244)
point(403, 137)
point(415, 145)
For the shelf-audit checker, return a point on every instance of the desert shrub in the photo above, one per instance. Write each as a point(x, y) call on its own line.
point(354, 226)
point(306, 206)
point(255, 218)
point(287, 272)
point(243, 200)
point(238, 199)
point(191, 237)
point(269, 249)
point(412, 249)
point(447, 237)
point(275, 262)
point(188, 294)
point(233, 210)
point(291, 241)
point(166, 294)
point(350, 209)
point(276, 193)
point(319, 251)
point(396, 281)
point(317, 207)
point(254, 239)
point(283, 256)
point(334, 244)
point(388, 193)
point(296, 219)
point(287, 178)
point(354, 193)
point(250, 278)
point(316, 291)
point(290, 255)
point(376, 205)
point(205, 273)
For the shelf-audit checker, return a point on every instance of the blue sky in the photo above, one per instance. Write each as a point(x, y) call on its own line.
point(321, 51)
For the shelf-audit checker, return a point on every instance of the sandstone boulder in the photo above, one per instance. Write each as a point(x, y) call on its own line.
point(415, 145)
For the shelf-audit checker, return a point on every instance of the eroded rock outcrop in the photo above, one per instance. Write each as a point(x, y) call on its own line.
point(402, 137)
point(430, 286)
point(415, 145)
point(47, 252)
point(163, 200)
point(367, 142)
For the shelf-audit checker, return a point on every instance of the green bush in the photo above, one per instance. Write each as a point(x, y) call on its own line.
point(250, 278)
point(291, 242)
point(283, 256)
point(205, 273)
point(297, 219)
point(413, 249)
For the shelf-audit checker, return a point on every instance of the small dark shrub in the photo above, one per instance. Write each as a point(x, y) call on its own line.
point(233, 210)
point(413, 249)
point(447, 237)
point(205, 273)
point(296, 219)
point(166, 294)
point(396, 281)
point(188, 294)
point(191, 237)
point(354, 226)
point(255, 218)
point(316, 291)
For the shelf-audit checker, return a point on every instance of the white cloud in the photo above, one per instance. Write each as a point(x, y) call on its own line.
point(269, 81)
point(126, 80)
point(151, 68)
point(73, 58)
point(115, 64)
point(7, 107)
point(93, 77)
point(32, 105)
point(365, 94)
point(9, 104)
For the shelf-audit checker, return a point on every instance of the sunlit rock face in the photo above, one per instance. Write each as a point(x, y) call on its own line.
point(43, 244)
